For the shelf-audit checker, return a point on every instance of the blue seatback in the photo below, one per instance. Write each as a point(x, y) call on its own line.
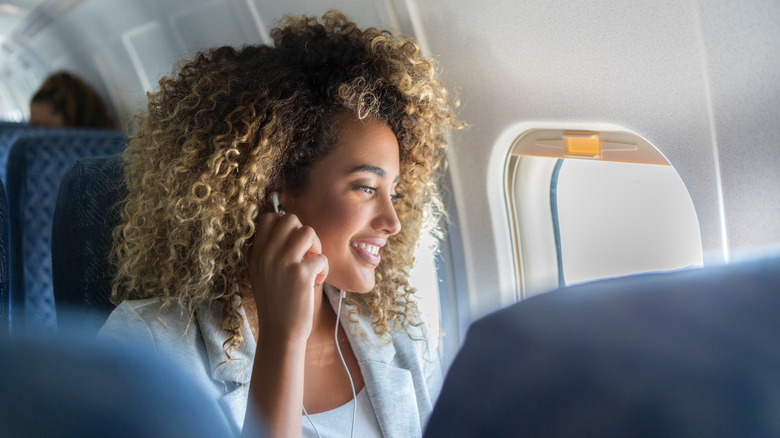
point(682, 354)
point(36, 165)
point(71, 386)
point(9, 132)
point(5, 303)
point(8, 123)
point(87, 212)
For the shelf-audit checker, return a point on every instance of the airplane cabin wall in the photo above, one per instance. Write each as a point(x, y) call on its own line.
point(698, 79)
point(742, 44)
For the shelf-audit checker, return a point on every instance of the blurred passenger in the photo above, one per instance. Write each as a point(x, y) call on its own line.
point(66, 101)
point(347, 127)
point(688, 354)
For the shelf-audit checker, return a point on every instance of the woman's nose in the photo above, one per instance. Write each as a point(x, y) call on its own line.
point(387, 219)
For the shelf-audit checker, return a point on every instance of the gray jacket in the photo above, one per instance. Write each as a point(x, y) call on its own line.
point(402, 376)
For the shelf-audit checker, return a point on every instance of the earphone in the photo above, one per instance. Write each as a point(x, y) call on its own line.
point(275, 203)
point(342, 294)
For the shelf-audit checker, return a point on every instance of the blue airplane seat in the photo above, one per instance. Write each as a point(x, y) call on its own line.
point(5, 301)
point(36, 165)
point(7, 124)
point(9, 132)
point(68, 385)
point(691, 353)
point(86, 213)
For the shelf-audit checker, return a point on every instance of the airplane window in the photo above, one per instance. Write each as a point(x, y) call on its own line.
point(586, 205)
point(621, 218)
point(425, 278)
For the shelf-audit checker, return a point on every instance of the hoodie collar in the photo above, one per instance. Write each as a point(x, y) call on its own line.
point(238, 370)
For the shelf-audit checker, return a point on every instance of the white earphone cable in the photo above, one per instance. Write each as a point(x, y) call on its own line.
point(342, 294)
point(311, 422)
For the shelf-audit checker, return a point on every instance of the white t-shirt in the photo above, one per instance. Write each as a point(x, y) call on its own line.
point(338, 422)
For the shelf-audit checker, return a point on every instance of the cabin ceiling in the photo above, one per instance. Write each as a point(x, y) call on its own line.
point(12, 12)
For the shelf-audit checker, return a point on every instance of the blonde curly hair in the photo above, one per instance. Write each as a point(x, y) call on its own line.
point(233, 122)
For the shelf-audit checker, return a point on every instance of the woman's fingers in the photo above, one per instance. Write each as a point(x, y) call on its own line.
point(321, 269)
point(263, 231)
point(276, 232)
point(303, 243)
point(285, 239)
point(313, 250)
point(304, 247)
point(281, 243)
point(264, 226)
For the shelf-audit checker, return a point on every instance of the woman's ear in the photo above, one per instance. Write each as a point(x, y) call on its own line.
point(286, 201)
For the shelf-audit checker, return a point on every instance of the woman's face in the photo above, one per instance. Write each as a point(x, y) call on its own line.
point(43, 115)
point(349, 201)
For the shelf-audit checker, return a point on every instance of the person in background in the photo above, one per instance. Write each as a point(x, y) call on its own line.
point(66, 101)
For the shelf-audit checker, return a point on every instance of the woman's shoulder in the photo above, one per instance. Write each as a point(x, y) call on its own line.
point(148, 321)
point(417, 341)
point(416, 349)
point(150, 311)
point(138, 306)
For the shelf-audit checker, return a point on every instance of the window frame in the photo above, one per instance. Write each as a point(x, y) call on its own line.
point(530, 164)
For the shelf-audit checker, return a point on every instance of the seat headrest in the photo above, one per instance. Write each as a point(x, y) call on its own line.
point(87, 212)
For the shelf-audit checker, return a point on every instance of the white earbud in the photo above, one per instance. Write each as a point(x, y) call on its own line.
point(275, 202)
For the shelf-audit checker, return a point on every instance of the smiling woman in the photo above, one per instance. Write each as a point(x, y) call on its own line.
point(347, 126)
point(350, 201)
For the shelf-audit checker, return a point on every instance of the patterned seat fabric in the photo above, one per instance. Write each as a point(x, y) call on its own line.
point(5, 304)
point(8, 124)
point(36, 165)
point(9, 132)
point(87, 211)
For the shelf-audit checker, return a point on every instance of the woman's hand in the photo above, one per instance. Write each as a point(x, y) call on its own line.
point(286, 266)
point(286, 272)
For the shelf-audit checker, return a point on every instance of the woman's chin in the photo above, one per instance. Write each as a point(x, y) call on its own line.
point(360, 287)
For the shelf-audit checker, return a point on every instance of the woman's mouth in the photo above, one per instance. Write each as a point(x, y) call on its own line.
point(372, 249)
point(366, 251)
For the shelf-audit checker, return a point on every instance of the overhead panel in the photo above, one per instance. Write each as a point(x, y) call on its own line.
point(152, 52)
point(376, 13)
point(212, 24)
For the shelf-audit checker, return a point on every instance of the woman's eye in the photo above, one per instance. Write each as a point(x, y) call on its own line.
point(395, 197)
point(367, 189)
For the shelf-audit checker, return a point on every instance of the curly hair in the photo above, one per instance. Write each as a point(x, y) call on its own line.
point(78, 104)
point(232, 122)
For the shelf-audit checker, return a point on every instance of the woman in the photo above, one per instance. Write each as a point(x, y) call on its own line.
point(65, 101)
point(346, 127)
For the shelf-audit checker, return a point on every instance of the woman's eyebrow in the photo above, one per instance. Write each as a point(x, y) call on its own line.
point(370, 169)
point(373, 169)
